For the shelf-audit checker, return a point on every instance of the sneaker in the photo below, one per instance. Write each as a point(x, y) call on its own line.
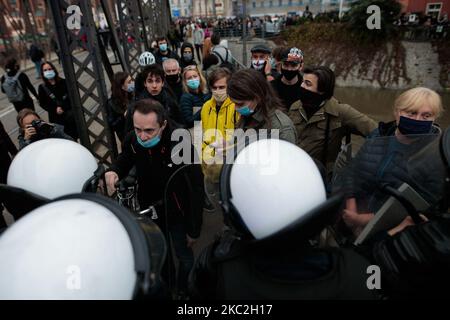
point(208, 206)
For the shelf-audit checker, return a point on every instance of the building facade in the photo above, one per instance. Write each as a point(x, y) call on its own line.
point(436, 8)
point(212, 8)
point(181, 8)
point(13, 22)
point(283, 7)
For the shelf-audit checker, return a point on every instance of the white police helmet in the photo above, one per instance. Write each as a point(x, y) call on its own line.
point(146, 58)
point(271, 184)
point(80, 247)
point(52, 168)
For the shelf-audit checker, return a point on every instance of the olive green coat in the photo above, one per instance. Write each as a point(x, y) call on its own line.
point(343, 119)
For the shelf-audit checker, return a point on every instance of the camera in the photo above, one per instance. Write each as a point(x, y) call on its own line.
point(43, 129)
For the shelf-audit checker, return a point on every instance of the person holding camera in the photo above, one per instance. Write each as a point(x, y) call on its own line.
point(33, 128)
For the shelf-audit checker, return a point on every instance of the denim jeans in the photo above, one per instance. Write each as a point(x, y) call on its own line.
point(37, 65)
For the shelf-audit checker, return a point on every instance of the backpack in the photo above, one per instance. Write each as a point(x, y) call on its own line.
point(13, 88)
point(224, 63)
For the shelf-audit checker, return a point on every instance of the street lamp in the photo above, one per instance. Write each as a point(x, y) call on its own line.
point(341, 4)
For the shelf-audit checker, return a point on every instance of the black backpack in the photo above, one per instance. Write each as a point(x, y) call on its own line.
point(224, 63)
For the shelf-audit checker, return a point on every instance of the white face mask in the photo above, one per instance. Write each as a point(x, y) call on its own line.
point(258, 64)
point(220, 95)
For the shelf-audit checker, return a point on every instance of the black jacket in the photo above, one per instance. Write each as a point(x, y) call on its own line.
point(224, 270)
point(35, 53)
point(116, 118)
point(154, 167)
point(53, 96)
point(166, 99)
point(7, 151)
point(160, 57)
point(176, 89)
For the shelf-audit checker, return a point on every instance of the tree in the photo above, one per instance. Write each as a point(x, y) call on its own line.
point(358, 16)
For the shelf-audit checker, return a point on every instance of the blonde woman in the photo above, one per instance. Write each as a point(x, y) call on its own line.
point(383, 157)
point(194, 96)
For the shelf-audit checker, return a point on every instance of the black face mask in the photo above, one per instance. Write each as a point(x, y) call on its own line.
point(411, 126)
point(172, 78)
point(289, 74)
point(310, 99)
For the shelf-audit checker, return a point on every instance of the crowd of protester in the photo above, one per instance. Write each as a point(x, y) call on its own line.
point(189, 76)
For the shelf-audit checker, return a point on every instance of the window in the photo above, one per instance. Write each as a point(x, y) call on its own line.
point(434, 9)
point(280, 3)
point(262, 4)
point(254, 4)
point(271, 4)
point(290, 3)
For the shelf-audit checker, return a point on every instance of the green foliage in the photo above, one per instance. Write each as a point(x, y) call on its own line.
point(357, 19)
point(337, 46)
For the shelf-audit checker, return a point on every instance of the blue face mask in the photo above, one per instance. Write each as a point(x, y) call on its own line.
point(193, 84)
point(411, 126)
point(245, 111)
point(273, 63)
point(163, 47)
point(49, 74)
point(130, 87)
point(149, 143)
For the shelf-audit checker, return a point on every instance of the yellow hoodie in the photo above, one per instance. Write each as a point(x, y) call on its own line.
point(217, 127)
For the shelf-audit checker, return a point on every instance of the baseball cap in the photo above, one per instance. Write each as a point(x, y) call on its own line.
point(293, 54)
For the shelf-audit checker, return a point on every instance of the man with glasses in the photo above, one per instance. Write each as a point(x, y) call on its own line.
point(287, 85)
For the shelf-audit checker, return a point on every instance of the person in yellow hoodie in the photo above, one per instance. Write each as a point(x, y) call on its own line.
point(218, 121)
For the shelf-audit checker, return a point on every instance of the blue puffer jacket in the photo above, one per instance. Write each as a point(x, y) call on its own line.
point(187, 103)
point(382, 159)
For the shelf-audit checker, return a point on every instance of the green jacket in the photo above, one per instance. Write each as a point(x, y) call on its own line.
point(279, 121)
point(342, 120)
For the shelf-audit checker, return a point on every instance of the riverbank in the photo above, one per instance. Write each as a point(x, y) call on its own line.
point(389, 65)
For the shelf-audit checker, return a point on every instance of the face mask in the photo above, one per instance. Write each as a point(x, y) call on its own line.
point(310, 99)
point(220, 95)
point(163, 47)
point(258, 64)
point(411, 126)
point(172, 78)
point(245, 111)
point(289, 74)
point(187, 56)
point(193, 84)
point(50, 74)
point(130, 87)
point(273, 63)
point(149, 143)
